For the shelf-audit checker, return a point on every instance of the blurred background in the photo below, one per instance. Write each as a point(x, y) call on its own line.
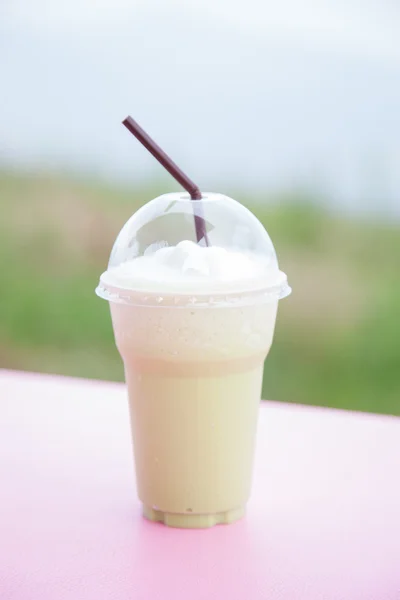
point(289, 107)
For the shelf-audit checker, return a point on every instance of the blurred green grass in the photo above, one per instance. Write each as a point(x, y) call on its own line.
point(337, 339)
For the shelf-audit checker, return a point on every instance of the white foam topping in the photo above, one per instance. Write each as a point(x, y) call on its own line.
point(189, 268)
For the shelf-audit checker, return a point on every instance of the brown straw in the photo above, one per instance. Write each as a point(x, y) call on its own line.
point(175, 171)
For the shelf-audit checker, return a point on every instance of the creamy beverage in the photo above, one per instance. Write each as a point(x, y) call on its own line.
point(193, 325)
point(193, 284)
point(193, 340)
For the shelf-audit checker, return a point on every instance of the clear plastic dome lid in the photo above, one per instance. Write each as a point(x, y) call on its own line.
point(175, 245)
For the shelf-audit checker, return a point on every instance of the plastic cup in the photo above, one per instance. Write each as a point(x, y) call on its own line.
point(193, 351)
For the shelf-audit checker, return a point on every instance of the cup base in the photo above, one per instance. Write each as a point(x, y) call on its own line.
point(193, 521)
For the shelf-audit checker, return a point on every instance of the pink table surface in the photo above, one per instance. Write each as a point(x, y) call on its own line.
point(323, 522)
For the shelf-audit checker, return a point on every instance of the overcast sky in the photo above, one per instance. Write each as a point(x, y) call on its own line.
point(257, 92)
point(367, 27)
